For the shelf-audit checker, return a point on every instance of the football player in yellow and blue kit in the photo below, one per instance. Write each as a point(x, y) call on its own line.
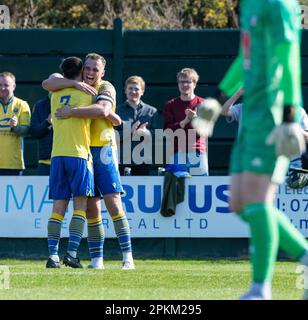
point(269, 67)
point(71, 171)
point(103, 148)
point(14, 124)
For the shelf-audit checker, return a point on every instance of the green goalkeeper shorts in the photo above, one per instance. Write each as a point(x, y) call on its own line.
point(251, 154)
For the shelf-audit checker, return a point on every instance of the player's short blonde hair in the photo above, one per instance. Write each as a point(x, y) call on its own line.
point(188, 73)
point(96, 57)
point(135, 80)
point(8, 74)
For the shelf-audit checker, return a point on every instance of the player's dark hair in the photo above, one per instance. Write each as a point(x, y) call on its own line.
point(71, 67)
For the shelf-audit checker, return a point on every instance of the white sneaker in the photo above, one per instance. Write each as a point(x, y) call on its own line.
point(98, 267)
point(255, 295)
point(258, 291)
point(305, 297)
point(250, 295)
point(128, 265)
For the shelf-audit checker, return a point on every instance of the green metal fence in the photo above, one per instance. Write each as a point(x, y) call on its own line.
point(155, 55)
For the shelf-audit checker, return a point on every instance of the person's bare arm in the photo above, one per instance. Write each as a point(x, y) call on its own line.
point(114, 118)
point(225, 111)
point(54, 84)
point(100, 109)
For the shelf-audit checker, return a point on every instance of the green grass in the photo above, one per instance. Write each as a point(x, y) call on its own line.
point(152, 279)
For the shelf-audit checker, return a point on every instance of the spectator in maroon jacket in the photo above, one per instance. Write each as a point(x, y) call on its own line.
point(190, 150)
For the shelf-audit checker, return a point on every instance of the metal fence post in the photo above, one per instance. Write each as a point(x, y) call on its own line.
point(118, 58)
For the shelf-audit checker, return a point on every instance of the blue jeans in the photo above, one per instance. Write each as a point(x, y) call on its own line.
point(196, 163)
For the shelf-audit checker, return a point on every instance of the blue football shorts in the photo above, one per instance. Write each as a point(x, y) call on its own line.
point(106, 173)
point(70, 176)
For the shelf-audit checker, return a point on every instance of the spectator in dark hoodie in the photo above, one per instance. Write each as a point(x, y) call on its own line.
point(41, 129)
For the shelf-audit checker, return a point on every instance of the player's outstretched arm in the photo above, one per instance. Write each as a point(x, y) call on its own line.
point(233, 79)
point(288, 137)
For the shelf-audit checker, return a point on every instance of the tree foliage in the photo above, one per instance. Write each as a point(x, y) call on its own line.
point(135, 14)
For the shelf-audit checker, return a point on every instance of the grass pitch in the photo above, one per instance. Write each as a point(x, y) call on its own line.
point(152, 279)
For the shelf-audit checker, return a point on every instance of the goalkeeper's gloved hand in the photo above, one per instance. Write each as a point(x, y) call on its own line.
point(207, 113)
point(288, 139)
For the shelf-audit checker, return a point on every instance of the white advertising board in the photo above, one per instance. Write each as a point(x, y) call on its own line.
point(25, 208)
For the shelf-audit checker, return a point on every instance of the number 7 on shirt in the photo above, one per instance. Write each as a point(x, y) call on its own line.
point(65, 100)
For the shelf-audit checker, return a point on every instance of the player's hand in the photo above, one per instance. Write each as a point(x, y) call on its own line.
point(49, 120)
point(82, 86)
point(288, 139)
point(64, 112)
point(13, 122)
point(207, 113)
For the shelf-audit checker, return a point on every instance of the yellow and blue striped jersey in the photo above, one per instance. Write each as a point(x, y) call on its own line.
point(11, 145)
point(102, 132)
point(71, 137)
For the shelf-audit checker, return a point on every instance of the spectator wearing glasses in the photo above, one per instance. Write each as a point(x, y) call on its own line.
point(190, 150)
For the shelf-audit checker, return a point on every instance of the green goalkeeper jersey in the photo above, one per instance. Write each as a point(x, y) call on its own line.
point(270, 61)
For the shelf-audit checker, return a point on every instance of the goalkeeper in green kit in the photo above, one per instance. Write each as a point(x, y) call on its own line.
point(268, 67)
